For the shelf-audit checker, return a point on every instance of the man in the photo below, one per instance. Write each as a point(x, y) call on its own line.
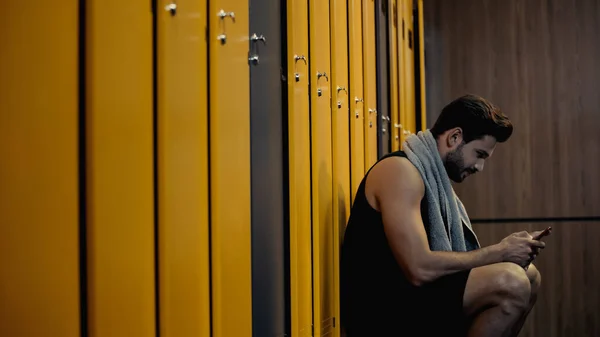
point(410, 263)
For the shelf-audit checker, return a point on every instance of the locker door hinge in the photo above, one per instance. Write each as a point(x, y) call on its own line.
point(384, 7)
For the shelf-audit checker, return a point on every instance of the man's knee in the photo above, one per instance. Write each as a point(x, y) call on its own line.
point(512, 285)
point(504, 285)
point(535, 279)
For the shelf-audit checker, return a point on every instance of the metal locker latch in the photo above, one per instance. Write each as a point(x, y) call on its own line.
point(296, 59)
point(319, 75)
point(254, 38)
point(339, 103)
point(385, 119)
point(222, 14)
point(172, 7)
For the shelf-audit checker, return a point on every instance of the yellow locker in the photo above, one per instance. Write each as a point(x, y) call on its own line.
point(39, 201)
point(229, 115)
point(370, 84)
point(393, 55)
point(119, 169)
point(409, 123)
point(299, 168)
point(341, 138)
point(401, 38)
point(183, 169)
point(421, 65)
point(357, 102)
point(321, 166)
point(406, 70)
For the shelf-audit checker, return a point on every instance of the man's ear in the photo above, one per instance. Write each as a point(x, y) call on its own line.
point(455, 137)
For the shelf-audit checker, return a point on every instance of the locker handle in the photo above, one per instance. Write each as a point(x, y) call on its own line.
point(296, 59)
point(172, 7)
point(339, 103)
point(222, 14)
point(324, 74)
point(357, 100)
point(319, 75)
point(254, 38)
point(373, 111)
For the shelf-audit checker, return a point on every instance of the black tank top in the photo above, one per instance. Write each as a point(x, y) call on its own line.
point(372, 284)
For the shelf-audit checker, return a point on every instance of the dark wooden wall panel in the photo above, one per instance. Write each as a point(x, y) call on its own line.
point(569, 297)
point(537, 60)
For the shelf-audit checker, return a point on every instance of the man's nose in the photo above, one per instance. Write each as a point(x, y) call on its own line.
point(479, 165)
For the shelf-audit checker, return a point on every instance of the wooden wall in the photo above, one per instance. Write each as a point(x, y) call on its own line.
point(538, 61)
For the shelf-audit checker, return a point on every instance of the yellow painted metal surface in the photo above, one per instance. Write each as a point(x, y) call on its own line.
point(299, 168)
point(401, 38)
point(321, 165)
point(230, 168)
point(405, 70)
point(370, 82)
point(409, 69)
point(183, 171)
point(120, 188)
point(340, 109)
point(421, 66)
point(39, 207)
point(357, 104)
point(393, 69)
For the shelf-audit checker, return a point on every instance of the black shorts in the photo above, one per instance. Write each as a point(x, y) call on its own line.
point(440, 306)
point(432, 310)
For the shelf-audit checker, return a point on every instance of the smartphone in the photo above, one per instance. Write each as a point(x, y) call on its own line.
point(544, 233)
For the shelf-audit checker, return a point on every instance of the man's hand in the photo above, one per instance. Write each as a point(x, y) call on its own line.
point(520, 248)
point(537, 250)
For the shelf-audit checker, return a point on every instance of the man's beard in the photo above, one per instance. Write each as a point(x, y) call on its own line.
point(455, 164)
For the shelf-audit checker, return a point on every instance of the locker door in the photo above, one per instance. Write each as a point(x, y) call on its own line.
point(420, 63)
point(119, 172)
point(357, 102)
point(229, 115)
point(268, 250)
point(341, 137)
point(39, 187)
point(370, 85)
point(383, 78)
point(182, 139)
point(394, 87)
point(409, 68)
point(299, 168)
point(321, 165)
point(402, 78)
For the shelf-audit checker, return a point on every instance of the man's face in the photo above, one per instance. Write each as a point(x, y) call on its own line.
point(469, 158)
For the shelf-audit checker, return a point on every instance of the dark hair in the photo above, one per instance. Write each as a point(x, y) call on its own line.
point(476, 117)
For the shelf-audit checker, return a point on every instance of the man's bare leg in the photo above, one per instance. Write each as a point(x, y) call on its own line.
point(496, 297)
point(535, 279)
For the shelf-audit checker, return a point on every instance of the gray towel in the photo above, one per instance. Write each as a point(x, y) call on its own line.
point(449, 228)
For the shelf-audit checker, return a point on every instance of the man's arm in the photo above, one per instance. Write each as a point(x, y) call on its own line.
point(396, 188)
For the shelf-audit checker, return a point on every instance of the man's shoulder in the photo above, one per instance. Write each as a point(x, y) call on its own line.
point(396, 172)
